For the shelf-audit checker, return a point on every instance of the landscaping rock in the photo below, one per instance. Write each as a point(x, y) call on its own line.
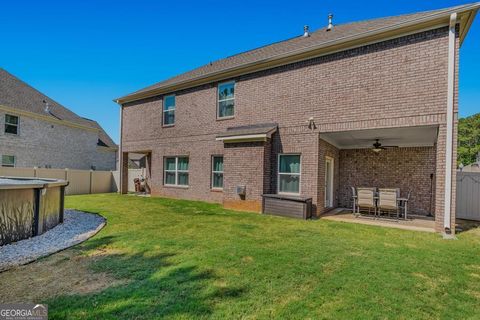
point(77, 227)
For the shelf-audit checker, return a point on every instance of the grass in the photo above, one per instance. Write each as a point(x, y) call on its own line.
point(163, 258)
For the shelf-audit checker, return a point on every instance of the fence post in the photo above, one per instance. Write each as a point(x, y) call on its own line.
point(91, 181)
point(34, 172)
point(67, 173)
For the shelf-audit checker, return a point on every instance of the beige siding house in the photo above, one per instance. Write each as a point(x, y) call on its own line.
point(37, 131)
point(364, 104)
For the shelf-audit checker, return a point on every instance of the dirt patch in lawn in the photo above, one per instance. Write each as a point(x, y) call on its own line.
point(64, 273)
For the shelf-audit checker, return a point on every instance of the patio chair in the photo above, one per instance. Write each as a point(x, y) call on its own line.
point(366, 200)
point(388, 201)
point(354, 200)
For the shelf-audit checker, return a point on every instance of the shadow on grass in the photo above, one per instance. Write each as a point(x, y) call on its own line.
point(153, 286)
point(466, 225)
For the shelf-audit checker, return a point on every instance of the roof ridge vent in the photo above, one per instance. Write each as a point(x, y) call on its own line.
point(330, 24)
point(306, 32)
point(47, 107)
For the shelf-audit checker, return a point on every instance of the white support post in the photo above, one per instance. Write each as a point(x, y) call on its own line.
point(120, 154)
point(449, 134)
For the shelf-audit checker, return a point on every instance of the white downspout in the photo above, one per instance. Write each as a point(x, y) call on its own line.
point(449, 138)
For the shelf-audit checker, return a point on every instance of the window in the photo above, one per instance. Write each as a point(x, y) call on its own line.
point(11, 124)
point(8, 161)
point(226, 100)
point(217, 172)
point(169, 110)
point(176, 171)
point(289, 173)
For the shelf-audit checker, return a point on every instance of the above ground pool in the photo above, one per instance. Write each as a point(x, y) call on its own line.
point(29, 207)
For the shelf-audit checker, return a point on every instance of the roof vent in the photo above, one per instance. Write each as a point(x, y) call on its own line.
point(47, 107)
point(306, 33)
point(330, 24)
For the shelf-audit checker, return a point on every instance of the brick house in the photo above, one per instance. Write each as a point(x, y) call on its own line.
point(36, 131)
point(301, 117)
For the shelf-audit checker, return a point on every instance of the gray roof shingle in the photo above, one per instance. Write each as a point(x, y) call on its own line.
point(15, 93)
point(262, 128)
point(284, 47)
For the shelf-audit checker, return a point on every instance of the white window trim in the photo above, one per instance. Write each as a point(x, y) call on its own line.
point(165, 111)
point(11, 124)
point(8, 166)
point(213, 173)
point(289, 174)
point(176, 171)
point(227, 99)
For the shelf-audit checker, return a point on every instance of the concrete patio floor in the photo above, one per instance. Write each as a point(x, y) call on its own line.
point(414, 223)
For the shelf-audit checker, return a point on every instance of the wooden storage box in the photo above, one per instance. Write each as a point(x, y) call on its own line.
point(287, 206)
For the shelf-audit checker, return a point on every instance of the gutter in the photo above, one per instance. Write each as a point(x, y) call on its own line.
point(466, 26)
point(37, 116)
point(244, 138)
point(450, 118)
point(250, 67)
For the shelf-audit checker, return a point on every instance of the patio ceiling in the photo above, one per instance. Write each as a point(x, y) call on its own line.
point(421, 136)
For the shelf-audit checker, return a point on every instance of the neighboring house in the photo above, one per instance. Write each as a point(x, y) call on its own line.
point(37, 131)
point(302, 116)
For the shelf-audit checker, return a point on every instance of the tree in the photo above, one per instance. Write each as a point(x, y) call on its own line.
point(468, 139)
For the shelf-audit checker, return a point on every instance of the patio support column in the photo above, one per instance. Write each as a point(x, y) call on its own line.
point(124, 173)
point(120, 154)
point(450, 119)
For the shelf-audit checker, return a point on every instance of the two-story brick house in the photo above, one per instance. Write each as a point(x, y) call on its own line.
point(304, 117)
point(36, 131)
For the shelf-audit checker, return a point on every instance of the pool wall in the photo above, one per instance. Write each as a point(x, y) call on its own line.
point(29, 207)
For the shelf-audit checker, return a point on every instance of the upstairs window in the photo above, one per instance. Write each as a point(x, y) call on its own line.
point(169, 110)
point(217, 172)
point(289, 173)
point(176, 171)
point(11, 124)
point(226, 100)
point(8, 161)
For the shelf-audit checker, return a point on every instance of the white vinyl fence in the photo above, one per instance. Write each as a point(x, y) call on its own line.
point(468, 195)
point(80, 181)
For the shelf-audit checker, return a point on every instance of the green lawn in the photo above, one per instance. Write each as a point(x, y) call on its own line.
point(162, 258)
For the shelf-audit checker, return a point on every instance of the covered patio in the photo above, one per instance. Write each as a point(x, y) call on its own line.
point(136, 172)
point(402, 158)
point(413, 223)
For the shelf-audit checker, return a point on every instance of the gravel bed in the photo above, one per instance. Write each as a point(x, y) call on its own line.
point(77, 227)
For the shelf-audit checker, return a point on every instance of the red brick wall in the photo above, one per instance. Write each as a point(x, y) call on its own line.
point(399, 79)
point(404, 168)
point(246, 164)
point(304, 142)
point(396, 83)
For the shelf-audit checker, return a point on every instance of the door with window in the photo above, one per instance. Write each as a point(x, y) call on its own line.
point(328, 182)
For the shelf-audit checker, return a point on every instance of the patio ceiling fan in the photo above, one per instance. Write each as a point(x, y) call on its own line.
point(377, 146)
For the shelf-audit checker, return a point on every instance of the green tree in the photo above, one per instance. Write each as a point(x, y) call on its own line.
point(468, 139)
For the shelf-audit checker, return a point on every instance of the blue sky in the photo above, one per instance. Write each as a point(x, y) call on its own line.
point(85, 53)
